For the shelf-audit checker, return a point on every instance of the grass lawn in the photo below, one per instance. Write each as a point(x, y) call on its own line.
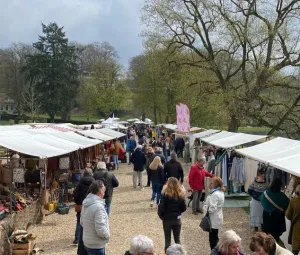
point(4, 122)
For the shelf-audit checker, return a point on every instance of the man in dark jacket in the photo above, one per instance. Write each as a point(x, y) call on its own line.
point(179, 146)
point(139, 160)
point(79, 194)
point(110, 182)
point(150, 156)
point(173, 168)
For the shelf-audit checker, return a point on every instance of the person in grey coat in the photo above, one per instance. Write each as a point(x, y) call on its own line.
point(94, 220)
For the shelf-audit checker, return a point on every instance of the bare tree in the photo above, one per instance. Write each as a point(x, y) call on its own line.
point(247, 44)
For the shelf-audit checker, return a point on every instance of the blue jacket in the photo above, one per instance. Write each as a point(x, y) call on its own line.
point(157, 176)
point(138, 158)
point(130, 145)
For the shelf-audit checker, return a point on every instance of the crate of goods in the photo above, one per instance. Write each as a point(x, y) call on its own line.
point(22, 248)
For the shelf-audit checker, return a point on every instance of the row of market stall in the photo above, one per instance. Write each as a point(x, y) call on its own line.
point(43, 159)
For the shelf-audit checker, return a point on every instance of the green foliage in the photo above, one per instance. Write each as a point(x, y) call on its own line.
point(54, 70)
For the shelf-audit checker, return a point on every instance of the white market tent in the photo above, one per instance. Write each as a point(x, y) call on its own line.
point(14, 127)
point(139, 122)
point(108, 121)
point(235, 139)
point(195, 129)
point(31, 146)
point(205, 133)
point(280, 152)
point(170, 126)
point(217, 136)
point(132, 120)
point(111, 133)
point(95, 134)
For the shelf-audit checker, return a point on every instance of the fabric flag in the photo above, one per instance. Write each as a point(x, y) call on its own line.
point(183, 118)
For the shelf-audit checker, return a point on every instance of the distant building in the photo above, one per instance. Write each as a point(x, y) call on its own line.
point(6, 103)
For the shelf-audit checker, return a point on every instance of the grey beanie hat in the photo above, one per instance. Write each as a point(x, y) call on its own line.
point(88, 172)
point(173, 155)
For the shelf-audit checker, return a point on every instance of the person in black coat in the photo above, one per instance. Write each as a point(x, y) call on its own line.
point(139, 160)
point(171, 206)
point(110, 182)
point(173, 168)
point(159, 153)
point(79, 194)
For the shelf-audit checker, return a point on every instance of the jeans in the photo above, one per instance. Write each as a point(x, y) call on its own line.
point(156, 192)
point(165, 152)
point(116, 161)
point(95, 251)
point(81, 249)
point(197, 194)
point(137, 175)
point(169, 226)
point(78, 227)
point(107, 208)
point(213, 238)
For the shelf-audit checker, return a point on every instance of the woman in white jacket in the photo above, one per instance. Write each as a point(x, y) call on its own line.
point(214, 204)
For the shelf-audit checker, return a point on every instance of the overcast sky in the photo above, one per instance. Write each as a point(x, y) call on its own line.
point(85, 21)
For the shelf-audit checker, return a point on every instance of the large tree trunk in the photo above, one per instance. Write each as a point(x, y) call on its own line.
point(143, 116)
point(155, 115)
point(51, 117)
point(234, 124)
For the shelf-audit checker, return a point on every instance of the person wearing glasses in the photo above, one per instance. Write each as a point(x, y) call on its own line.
point(141, 245)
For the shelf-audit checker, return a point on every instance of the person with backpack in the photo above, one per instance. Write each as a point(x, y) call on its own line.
point(110, 182)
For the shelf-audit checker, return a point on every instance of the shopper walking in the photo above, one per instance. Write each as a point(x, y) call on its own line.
point(255, 190)
point(110, 182)
point(173, 168)
point(171, 206)
point(293, 214)
point(94, 220)
point(157, 179)
point(274, 203)
point(139, 160)
point(116, 152)
point(150, 156)
point(130, 147)
point(214, 206)
point(196, 181)
point(80, 193)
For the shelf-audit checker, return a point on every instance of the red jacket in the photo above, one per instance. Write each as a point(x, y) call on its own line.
point(196, 177)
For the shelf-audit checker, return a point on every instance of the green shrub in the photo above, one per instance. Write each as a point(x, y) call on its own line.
point(11, 122)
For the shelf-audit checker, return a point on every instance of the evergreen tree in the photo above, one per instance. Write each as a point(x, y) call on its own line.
point(54, 69)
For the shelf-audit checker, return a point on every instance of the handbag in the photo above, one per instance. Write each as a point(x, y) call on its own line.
point(78, 208)
point(272, 202)
point(205, 223)
point(292, 227)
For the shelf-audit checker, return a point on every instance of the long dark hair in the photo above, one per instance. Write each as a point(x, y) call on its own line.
point(276, 185)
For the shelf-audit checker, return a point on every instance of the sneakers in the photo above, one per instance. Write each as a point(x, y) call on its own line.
point(75, 241)
point(199, 211)
point(195, 213)
point(151, 204)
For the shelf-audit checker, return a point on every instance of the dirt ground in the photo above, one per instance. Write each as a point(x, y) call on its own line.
point(131, 215)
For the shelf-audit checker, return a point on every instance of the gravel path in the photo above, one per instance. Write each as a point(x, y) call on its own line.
point(132, 215)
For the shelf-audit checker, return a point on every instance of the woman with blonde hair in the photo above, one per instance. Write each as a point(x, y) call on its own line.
point(157, 179)
point(229, 244)
point(171, 206)
point(213, 205)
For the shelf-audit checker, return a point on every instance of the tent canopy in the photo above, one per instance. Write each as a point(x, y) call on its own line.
point(217, 136)
point(109, 132)
point(281, 153)
point(205, 133)
point(109, 121)
point(95, 134)
point(235, 139)
point(170, 126)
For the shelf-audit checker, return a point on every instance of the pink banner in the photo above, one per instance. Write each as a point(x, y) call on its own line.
point(183, 118)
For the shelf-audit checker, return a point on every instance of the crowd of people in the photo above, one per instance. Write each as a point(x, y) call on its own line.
point(159, 159)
